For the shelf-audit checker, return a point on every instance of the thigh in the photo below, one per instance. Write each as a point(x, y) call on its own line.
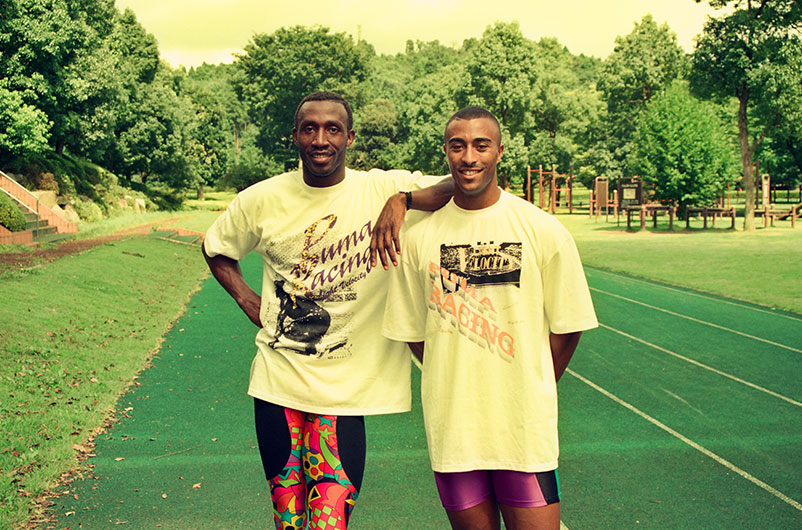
point(528, 500)
point(526, 490)
point(277, 434)
point(468, 499)
point(334, 463)
point(460, 491)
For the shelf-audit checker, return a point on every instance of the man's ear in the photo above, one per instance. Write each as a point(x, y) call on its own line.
point(500, 150)
point(295, 136)
point(351, 136)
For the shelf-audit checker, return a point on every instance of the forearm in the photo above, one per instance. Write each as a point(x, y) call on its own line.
point(228, 273)
point(562, 349)
point(385, 242)
point(433, 197)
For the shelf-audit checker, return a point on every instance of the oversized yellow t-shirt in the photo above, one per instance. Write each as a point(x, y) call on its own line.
point(484, 289)
point(320, 348)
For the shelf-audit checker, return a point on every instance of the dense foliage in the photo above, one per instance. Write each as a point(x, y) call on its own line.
point(754, 54)
point(681, 150)
point(81, 80)
point(11, 216)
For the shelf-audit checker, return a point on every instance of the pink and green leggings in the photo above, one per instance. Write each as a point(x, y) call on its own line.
point(313, 463)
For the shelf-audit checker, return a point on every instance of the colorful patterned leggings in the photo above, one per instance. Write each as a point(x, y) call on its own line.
point(305, 457)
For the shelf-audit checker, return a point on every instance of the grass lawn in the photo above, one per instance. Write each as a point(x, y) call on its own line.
point(75, 334)
point(195, 215)
point(763, 267)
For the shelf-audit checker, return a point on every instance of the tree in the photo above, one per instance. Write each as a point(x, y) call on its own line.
point(278, 70)
point(40, 40)
point(754, 54)
point(501, 75)
point(568, 108)
point(642, 64)
point(23, 128)
point(681, 150)
point(375, 145)
point(109, 81)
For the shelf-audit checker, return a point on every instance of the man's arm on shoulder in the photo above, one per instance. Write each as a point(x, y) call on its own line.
point(563, 346)
point(227, 271)
point(385, 241)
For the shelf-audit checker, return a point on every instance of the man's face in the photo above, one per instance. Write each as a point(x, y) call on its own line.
point(322, 137)
point(473, 148)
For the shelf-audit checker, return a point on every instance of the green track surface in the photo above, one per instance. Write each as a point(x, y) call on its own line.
point(683, 410)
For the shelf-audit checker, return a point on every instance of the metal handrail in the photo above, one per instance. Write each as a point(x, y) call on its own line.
point(23, 188)
point(41, 211)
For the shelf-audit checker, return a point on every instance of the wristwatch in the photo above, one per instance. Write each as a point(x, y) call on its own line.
point(408, 195)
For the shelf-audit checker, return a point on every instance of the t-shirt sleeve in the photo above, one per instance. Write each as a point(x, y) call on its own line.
point(232, 233)
point(395, 180)
point(405, 308)
point(418, 181)
point(567, 300)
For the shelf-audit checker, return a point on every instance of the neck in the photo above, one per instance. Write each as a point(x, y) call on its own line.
point(316, 181)
point(478, 202)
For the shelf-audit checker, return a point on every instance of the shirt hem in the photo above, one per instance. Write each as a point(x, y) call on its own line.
point(505, 466)
point(583, 326)
point(333, 411)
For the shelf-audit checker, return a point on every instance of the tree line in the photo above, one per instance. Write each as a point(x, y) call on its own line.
point(82, 80)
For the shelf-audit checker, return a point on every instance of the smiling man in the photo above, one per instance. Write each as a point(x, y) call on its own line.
point(492, 295)
point(322, 363)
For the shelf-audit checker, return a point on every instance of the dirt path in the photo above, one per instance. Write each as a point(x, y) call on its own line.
point(27, 259)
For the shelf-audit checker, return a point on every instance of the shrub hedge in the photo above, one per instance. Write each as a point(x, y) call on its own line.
point(11, 216)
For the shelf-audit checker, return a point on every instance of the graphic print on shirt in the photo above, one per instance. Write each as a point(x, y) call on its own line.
point(460, 296)
point(484, 263)
point(317, 269)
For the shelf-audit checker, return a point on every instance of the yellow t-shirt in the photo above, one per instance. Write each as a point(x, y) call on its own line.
point(484, 289)
point(320, 349)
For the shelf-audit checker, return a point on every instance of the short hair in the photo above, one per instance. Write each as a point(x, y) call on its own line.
point(326, 96)
point(472, 113)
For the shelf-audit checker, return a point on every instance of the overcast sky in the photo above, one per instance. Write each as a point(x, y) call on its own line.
point(191, 32)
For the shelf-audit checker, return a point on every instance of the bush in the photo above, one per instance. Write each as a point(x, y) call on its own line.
point(87, 210)
point(10, 215)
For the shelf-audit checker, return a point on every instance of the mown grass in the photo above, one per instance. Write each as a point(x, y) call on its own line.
point(214, 201)
point(115, 224)
point(194, 215)
point(763, 267)
point(75, 334)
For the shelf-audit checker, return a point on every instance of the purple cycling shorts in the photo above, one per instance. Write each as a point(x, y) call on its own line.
point(460, 491)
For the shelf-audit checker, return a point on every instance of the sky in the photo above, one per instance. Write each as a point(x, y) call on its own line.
point(191, 32)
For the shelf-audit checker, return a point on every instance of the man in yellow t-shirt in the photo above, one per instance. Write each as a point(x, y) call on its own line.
point(321, 363)
point(493, 288)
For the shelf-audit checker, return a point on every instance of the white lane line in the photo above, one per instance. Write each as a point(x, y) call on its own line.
point(698, 295)
point(726, 463)
point(701, 365)
point(747, 335)
point(684, 401)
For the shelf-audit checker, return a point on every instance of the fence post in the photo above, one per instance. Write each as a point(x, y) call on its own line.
point(528, 184)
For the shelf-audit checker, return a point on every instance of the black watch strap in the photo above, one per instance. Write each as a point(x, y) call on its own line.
point(409, 199)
